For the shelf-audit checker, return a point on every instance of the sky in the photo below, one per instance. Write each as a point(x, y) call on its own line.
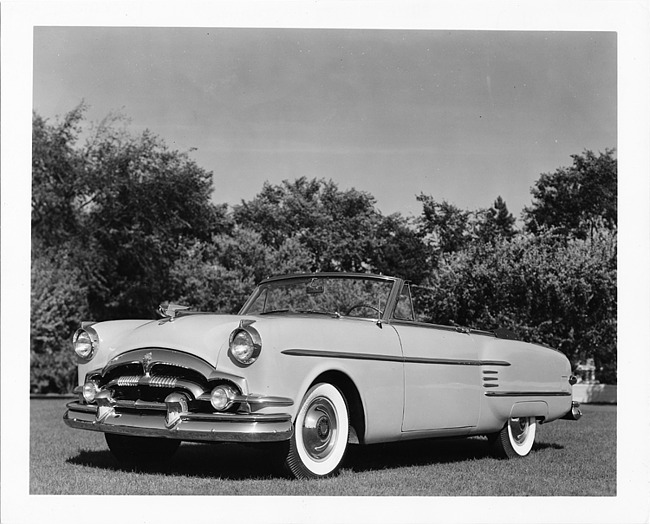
point(463, 116)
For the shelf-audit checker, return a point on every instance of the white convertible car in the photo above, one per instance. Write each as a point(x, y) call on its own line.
point(313, 362)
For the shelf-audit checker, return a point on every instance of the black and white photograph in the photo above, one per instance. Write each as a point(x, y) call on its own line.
point(315, 261)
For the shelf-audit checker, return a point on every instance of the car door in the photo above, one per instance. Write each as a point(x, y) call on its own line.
point(441, 375)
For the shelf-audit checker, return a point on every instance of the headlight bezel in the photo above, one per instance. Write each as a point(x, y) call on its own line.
point(90, 342)
point(248, 338)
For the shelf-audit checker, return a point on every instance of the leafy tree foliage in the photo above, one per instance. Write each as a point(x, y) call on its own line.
point(220, 275)
point(495, 222)
point(400, 250)
point(59, 304)
point(335, 226)
point(578, 199)
point(341, 230)
point(447, 226)
point(129, 200)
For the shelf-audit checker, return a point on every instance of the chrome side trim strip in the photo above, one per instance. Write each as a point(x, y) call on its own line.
point(235, 417)
point(388, 358)
point(258, 401)
point(336, 354)
point(454, 362)
point(527, 394)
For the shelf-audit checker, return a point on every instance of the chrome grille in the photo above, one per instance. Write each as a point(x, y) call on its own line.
point(128, 380)
point(155, 381)
point(150, 375)
point(154, 387)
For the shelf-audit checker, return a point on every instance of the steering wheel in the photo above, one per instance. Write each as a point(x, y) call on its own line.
point(356, 306)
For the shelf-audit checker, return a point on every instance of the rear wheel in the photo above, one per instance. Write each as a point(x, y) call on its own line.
point(141, 451)
point(517, 437)
point(320, 436)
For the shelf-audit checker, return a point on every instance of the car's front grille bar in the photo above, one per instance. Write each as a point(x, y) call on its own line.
point(140, 404)
point(156, 381)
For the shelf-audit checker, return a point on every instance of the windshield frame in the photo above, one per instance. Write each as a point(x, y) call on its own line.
point(390, 303)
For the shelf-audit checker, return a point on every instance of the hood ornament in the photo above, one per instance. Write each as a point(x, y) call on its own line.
point(170, 311)
point(147, 363)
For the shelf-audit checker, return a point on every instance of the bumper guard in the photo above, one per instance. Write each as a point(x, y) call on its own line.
point(574, 413)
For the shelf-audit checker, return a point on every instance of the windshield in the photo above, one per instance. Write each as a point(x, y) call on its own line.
point(360, 296)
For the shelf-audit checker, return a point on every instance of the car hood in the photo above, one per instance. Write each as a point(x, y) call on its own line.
point(203, 335)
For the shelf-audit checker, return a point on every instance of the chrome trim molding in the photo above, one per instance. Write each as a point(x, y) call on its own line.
point(146, 405)
point(454, 362)
point(325, 274)
point(148, 358)
point(527, 394)
point(258, 401)
point(336, 354)
point(388, 358)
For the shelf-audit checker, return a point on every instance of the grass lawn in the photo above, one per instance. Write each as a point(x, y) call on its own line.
point(569, 459)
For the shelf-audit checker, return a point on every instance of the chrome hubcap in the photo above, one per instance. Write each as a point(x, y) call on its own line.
point(519, 429)
point(319, 428)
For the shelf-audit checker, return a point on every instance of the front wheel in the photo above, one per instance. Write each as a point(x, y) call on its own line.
point(517, 437)
point(320, 436)
point(141, 451)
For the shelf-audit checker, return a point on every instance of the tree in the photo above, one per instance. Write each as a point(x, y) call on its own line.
point(220, 275)
point(57, 178)
point(495, 222)
point(58, 305)
point(400, 250)
point(337, 227)
point(576, 200)
point(446, 226)
point(127, 202)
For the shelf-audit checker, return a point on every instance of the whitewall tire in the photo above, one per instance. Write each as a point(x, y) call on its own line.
point(320, 436)
point(517, 437)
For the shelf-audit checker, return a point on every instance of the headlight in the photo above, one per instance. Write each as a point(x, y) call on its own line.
point(90, 391)
point(245, 344)
point(221, 397)
point(85, 343)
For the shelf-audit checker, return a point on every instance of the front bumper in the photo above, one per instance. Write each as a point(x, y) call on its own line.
point(151, 420)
